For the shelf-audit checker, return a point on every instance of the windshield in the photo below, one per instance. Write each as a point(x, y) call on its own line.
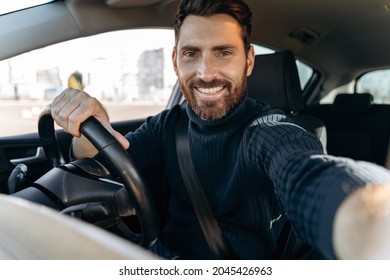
point(11, 6)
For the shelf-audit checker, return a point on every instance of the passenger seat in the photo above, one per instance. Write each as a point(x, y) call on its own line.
point(275, 80)
point(356, 127)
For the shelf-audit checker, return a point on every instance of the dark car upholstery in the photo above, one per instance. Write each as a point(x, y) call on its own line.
point(356, 127)
point(275, 80)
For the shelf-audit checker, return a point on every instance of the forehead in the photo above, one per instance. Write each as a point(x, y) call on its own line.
point(220, 29)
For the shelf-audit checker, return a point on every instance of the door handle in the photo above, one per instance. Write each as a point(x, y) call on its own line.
point(39, 156)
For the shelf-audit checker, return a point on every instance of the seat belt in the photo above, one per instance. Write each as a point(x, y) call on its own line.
point(210, 228)
point(387, 161)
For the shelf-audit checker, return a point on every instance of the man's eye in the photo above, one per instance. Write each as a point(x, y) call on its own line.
point(190, 54)
point(225, 53)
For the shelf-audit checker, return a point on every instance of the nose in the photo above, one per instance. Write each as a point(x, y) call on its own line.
point(207, 70)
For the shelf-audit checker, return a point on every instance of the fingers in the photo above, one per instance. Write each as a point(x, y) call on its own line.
point(362, 224)
point(121, 139)
point(72, 107)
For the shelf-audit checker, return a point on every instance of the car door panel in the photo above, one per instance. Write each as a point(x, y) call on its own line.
point(26, 149)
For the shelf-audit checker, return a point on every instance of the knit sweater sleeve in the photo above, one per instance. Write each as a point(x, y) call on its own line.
point(309, 184)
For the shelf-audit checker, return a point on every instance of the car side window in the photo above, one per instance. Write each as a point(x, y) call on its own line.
point(129, 71)
point(378, 84)
point(375, 82)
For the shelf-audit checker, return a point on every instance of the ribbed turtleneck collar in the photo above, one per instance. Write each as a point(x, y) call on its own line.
point(239, 114)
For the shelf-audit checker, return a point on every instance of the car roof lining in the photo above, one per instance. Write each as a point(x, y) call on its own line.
point(41, 29)
point(273, 28)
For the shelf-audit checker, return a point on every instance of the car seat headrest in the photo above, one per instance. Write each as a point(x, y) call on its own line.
point(275, 80)
point(347, 103)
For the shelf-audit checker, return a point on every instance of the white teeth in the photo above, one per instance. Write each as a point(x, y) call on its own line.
point(210, 90)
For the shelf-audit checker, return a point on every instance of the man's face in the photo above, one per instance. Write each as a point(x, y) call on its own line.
point(211, 64)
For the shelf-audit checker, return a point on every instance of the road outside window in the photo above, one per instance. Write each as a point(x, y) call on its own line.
point(129, 71)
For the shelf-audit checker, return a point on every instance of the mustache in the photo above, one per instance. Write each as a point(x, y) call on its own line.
point(214, 83)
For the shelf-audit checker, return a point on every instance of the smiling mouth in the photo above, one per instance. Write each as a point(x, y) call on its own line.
point(210, 91)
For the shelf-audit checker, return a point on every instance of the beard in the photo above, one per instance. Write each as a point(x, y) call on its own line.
point(214, 110)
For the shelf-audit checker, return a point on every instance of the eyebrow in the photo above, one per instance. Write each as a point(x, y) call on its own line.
point(216, 48)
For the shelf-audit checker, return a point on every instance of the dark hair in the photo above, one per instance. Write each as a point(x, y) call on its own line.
point(235, 8)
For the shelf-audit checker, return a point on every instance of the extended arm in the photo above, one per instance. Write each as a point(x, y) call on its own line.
point(325, 197)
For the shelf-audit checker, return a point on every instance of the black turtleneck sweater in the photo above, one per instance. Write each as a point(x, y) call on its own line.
point(255, 166)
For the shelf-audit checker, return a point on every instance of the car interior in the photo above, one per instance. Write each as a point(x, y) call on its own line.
point(275, 80)
point(340, 41)
point(356, 127)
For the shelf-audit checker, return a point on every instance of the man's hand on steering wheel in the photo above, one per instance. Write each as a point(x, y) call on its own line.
point(117, 160)
point(71, 108)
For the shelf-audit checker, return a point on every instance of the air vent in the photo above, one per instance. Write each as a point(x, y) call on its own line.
point(305, 35)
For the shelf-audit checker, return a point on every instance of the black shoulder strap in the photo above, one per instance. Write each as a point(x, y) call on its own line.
point(209, 225)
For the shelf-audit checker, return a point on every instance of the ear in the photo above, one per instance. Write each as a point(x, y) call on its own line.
point(174, 60)
point(250, 60)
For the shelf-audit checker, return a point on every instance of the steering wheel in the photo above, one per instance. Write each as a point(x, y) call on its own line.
point(118, 162)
